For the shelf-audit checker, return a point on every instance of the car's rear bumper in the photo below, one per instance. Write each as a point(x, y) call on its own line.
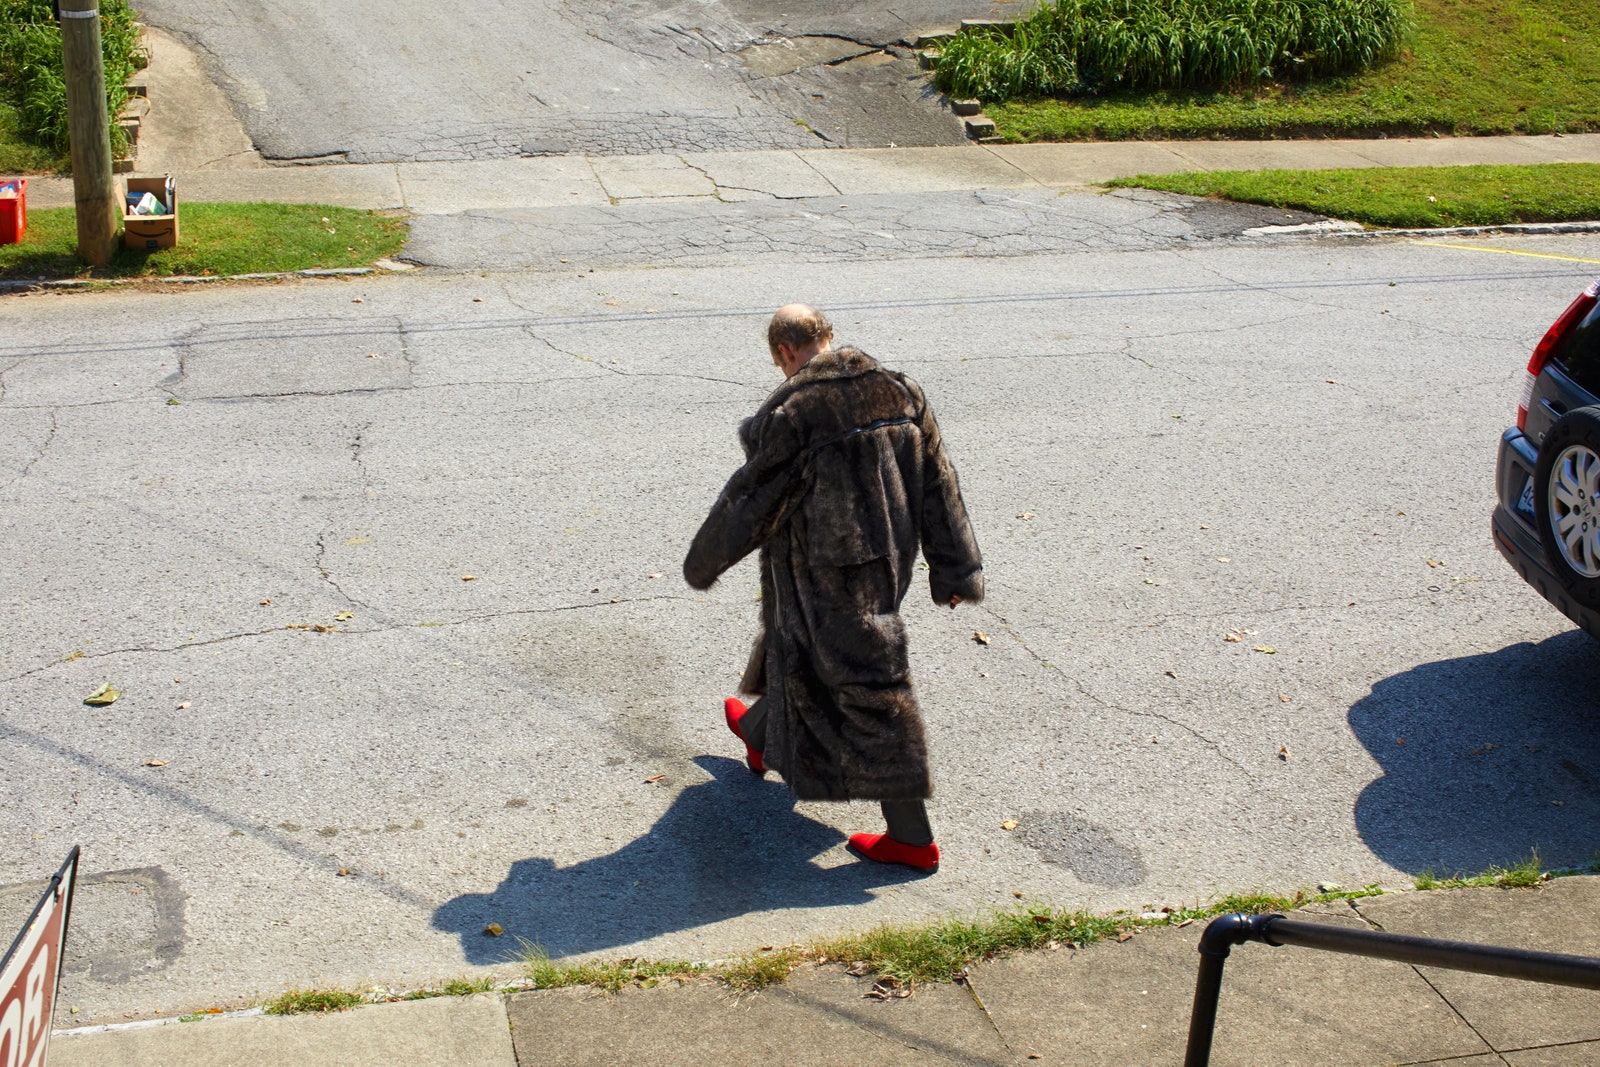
point(1514, 533)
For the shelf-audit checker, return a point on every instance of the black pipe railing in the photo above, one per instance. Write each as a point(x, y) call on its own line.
point(1228, 930)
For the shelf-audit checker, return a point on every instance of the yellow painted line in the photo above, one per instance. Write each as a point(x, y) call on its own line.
point(1503, 251)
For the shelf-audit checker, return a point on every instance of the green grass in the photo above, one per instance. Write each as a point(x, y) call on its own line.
point(21, 157)
point(1090, 46)
point(1407, 196)
point(1517, 876)
point(312, 1002)
point(610, 975)
point(31, 76)
point(1470, 67)
point(216, 239)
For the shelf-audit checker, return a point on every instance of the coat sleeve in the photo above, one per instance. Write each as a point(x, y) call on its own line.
point(955, 567)
point(755, 502)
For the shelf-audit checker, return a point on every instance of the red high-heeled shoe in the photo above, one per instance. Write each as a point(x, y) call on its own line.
point(733, 710)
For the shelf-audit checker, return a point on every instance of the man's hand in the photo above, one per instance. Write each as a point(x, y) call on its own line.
point(953, 602)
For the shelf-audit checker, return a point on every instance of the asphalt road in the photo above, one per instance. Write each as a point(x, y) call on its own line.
point(371, 81)
point(255, 510)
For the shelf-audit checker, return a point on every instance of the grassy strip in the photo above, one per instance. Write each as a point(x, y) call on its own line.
point(18, 156)
point(1406, 196)
point(901, 955)
point(216, 239)
point(1513, 66)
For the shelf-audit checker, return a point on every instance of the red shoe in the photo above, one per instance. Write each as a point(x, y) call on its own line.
point(884, 849)
point(733, 710)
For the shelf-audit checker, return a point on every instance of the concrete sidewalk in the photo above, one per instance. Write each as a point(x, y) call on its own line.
point(587, 181)
point(1112, 1003)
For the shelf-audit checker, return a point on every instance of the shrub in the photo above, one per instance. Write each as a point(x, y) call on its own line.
point(1083, 46)
point(31, 73)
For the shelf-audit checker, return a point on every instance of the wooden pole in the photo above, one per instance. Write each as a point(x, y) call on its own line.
point(93, 186)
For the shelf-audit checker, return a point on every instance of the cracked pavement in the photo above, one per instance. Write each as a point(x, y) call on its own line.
point(368, 82)
point(256, 511)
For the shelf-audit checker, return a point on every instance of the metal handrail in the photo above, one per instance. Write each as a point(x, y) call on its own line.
point(1226, 931)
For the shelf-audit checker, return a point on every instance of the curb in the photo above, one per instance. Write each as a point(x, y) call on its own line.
point(1340, 228)
point(192, 279)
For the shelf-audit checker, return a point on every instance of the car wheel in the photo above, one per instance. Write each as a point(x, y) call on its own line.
point(1567, 501)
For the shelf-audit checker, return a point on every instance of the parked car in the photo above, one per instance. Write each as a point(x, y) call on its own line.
point(1547, 524)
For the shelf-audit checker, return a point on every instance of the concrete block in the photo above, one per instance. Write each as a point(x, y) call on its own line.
point(460, 1031)
point(928, 58)
point(819, 1017)
point(966, 107)
point(1001, 26)
point(916, 170)
point(935, 38)
point(1117, 1004)
point(1560, 916)
point(980, 125)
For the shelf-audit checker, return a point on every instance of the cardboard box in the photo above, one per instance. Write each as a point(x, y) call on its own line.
point(151, 231)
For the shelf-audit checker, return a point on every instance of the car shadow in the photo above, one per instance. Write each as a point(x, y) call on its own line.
point(727, 847)
point(1486, 759)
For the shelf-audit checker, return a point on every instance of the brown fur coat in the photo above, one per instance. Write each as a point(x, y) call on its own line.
point(845, 477)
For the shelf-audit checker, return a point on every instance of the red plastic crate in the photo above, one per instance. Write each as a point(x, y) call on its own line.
point(14, 212)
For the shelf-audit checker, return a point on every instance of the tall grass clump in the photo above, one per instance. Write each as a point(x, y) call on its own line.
point(1077, 47)
point(32, 78)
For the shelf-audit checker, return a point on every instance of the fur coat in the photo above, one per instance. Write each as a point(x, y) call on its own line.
point(845, 477)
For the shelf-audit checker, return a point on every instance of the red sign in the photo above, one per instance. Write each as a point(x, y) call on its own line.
point(30, 971)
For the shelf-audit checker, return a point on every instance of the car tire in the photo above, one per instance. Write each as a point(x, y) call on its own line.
point(1566, 487)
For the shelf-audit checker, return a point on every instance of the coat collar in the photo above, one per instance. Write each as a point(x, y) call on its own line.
point(847, 361)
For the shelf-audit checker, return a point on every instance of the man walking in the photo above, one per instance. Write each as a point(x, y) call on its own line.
point(844, 477)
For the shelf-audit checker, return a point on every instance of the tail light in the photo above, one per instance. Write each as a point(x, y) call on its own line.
point(1552, 340)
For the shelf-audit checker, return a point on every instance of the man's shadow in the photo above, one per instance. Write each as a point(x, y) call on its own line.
point(1486, 759)
point(726, 847)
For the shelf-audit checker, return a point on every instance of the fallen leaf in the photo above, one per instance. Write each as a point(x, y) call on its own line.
point(344, 616)
point(611, 303)
point(1285, 697)
point(1331, 381)
point(1399, 740)
point(356, 300)
point(1284, 753)
point(469, 577)
point(72, 656)
point(859, 969)
point(1025, 516)
point(345, 872)
point(154, 763)
point(1126, 935)
point(1185, 922)
point(373, 355)
point(1017, 893)
point(184, 706)
point(1170, 674)
point(102, 696)
point(321, 629)
point(1436, 563)
point(1009, 824)
point(267, 601)
point(173, 402)
point(657, 574)
point(1224, 559)
point(494, 929)
point(1233, 637)
point(657, 778)
point(298, 626)
point(980, 637)
point(477, 300)
point(1267, 649)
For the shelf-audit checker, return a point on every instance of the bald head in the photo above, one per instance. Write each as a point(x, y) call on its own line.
point(797, 333)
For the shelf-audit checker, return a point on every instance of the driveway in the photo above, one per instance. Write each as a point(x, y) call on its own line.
point(374, 81)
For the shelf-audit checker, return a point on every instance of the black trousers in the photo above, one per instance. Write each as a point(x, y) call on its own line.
point(907, 819)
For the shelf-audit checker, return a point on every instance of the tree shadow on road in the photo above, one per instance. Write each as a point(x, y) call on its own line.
point(1486, 758)
point(726, 847)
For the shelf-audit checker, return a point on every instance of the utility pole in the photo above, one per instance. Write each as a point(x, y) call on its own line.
point(94, 189)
